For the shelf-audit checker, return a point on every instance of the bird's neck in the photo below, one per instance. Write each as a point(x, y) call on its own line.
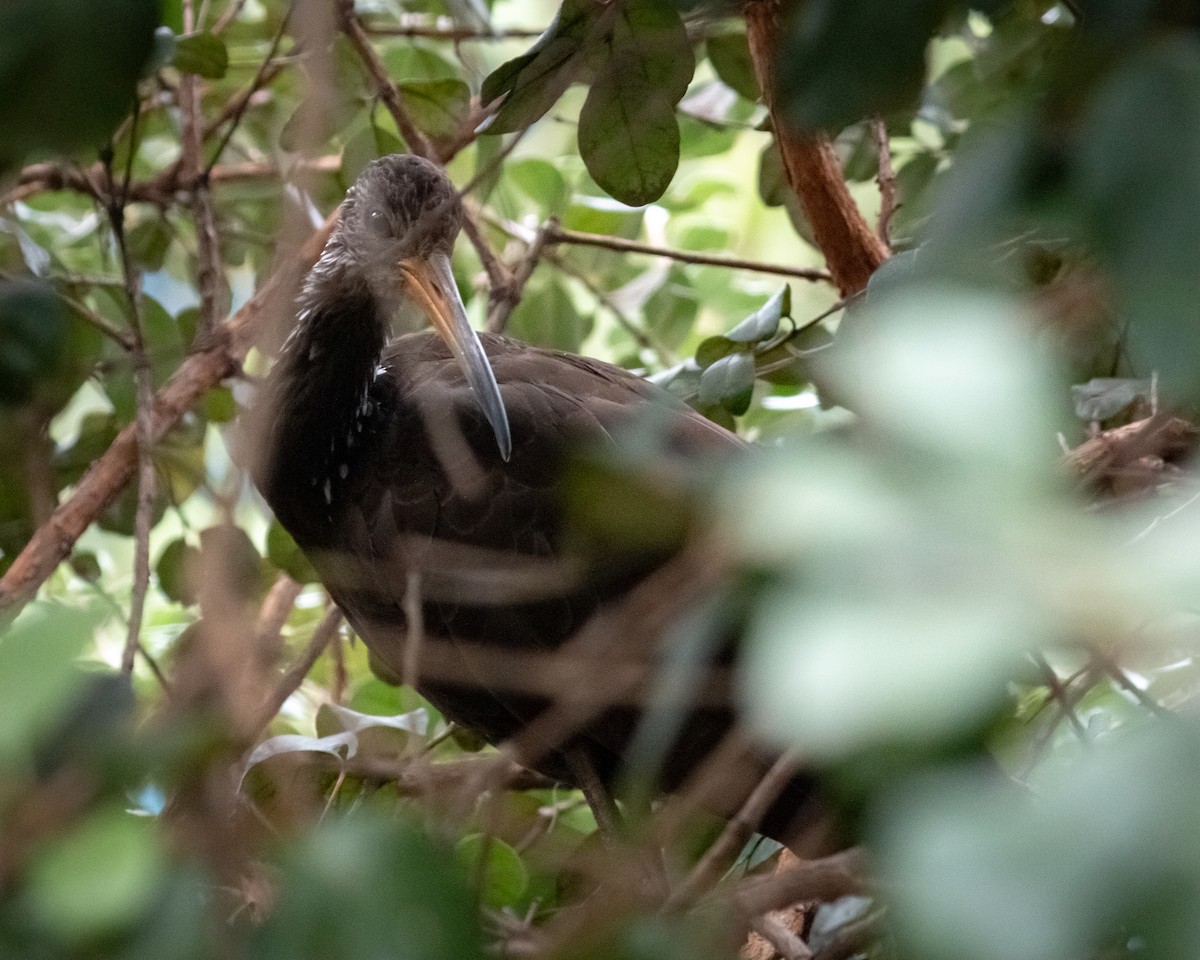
point(319, 402)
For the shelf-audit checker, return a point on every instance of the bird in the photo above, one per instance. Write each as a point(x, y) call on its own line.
point(423, 475)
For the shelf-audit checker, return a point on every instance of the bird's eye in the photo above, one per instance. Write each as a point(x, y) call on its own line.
point(377, 223)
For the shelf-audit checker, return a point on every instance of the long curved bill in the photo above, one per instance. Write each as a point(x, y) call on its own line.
point(431, 285)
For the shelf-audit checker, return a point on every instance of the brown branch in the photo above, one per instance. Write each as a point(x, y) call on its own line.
point(825, 880)
point(738, 830)
point(851, 249)
point(146, 491)
point(504, 300)
point(886, 178)
point(787, 944)
point(388, 95)
point(428, 31)
point(556, 234)
point(322, 636)
point(273, 614)
point(159, 190)
point(218, 358)
point(242, 100)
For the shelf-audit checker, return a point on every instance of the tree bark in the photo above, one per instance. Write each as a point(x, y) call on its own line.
point(852, 250)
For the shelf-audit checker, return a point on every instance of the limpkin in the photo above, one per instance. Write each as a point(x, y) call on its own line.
point(422, 475)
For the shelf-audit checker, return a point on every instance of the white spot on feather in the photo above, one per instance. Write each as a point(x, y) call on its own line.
point(343, 470)
point(328, 493)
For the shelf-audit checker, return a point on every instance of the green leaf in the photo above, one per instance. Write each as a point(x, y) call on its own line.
point(763, 324)
point(38, 671)
point(503, 876)
point(730, 58)
point(202, 53)
point(148, 242)
point(369, 887)
point(33, 331)
point(628, 135)
point(546, 316)
point(98, 878)
point(532, 83)
point(729, 381)
point(844, 60)
point(177, 568)
point(436, 106)
point(1139, 148)
point(287, 556)
point(541, 181)
point(69, 71)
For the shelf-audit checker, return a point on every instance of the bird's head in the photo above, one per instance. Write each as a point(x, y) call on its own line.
point(398, 227)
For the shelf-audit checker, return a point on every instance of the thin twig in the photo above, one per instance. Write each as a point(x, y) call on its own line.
point(1058, 693)
point(886, 178)
point(504, 300)
point(208, 249)
point(226, 18)
point(242, 101)
point(427, 31)
point(115, 208)
point(718, 857)
point(641, 337)
point(414, 629)
point(1125, 683)
point(295, 674)
point(620, 245)
point(51, 543)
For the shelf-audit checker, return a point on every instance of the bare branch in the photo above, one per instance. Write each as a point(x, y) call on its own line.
point(294, 676)
point(556, 234)
point(886, 178)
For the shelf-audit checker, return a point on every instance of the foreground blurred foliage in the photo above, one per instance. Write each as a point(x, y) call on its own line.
point(968, 606)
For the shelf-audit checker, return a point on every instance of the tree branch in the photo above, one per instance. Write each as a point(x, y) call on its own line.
point(851, 249)
point(218, 358)
point(556, 234)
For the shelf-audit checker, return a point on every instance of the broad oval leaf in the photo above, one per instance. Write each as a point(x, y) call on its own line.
point(628, 135)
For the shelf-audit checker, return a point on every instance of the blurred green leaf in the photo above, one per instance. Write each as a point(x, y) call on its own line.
point(436, 106)
point(97, 878)
point(283, 552)
point(1137, 152)
point(546, 316)
point(201, 53)
point(1125, 841)
point(845, 60)
point(541, 181)
point(33, 330)
point(359, 889)
point(38, 671)
point(69, 70)
point(177, 568)
point(503, 877)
